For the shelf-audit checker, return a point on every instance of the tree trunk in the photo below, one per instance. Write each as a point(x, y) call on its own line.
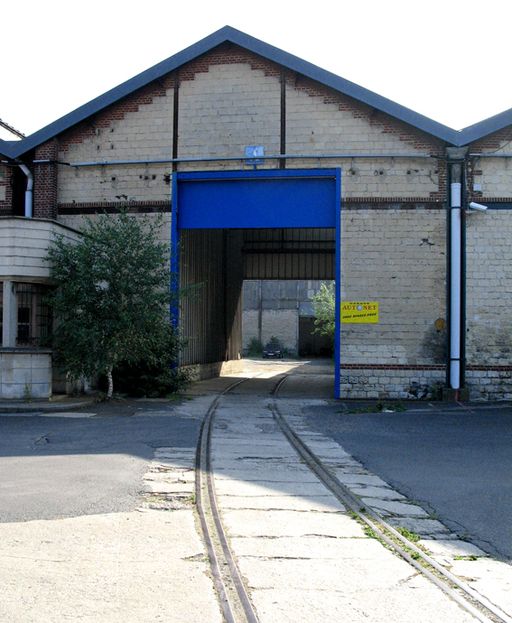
point(110, 390)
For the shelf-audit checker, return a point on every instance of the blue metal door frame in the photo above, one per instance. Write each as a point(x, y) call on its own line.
point(289, 198)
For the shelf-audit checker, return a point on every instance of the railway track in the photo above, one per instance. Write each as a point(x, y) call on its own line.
point(233, 595)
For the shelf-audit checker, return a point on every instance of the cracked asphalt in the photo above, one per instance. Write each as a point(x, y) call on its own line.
point(55, 466)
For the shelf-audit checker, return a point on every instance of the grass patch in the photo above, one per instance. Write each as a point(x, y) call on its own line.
point(408, 534)
point(370, 533)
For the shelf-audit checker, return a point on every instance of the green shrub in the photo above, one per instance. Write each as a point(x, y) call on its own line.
point(255, 347)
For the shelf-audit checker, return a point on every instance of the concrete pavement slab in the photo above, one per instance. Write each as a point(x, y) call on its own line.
point(420, 605)
point(258, 488)
point(252, 523)
point(360, 479)
point(166, 487)
point(383, 493)
point(488, 577)
point(341, 574)
point(395, 508)
point(254, 454)
point(312, 546)
point(319, 504)
point(115, 568)
point(242, 444)
point(450, 548)
point(424, 527)
point(177, 475)
point(288, 473)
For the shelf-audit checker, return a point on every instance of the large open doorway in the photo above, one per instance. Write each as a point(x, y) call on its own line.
point(234, 225)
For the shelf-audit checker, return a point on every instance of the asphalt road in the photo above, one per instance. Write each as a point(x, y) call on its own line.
point(54, 467)
point(455, 462)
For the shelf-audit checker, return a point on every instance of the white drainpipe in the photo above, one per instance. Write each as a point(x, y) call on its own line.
point(28, 192)
point(455, 283)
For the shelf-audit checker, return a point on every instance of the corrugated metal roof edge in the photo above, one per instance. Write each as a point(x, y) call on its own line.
point(294, 63)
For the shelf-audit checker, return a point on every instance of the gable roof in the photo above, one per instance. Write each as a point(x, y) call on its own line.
point(487, 126)
point(294, 63)
point(7, 148)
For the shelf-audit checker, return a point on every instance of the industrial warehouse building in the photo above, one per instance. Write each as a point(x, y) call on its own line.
point(269, 168)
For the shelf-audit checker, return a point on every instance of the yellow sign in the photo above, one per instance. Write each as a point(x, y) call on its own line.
point(360, 312)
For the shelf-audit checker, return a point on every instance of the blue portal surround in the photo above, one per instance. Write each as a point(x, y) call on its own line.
point(288, 198)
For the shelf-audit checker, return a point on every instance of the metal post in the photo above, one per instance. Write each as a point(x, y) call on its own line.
point(9, 316)
point(337, 298)
point(175, 255)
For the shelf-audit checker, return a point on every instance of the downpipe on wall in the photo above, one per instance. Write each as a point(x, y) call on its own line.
point(455, 277)
point(29, 190)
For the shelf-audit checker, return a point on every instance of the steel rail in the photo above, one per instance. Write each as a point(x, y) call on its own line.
point(474, 603)
point(234, 600)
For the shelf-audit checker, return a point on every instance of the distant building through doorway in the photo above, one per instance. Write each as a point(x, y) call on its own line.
point(283, 309)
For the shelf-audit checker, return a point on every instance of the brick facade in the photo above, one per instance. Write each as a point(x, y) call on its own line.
point(5, 191)
point(394, 223)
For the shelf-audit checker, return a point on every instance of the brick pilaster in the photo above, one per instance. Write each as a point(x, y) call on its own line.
point(45, 181)
point(5, 191)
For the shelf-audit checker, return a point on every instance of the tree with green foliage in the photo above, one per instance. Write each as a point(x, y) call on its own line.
point(112, 298)
point(323, 305)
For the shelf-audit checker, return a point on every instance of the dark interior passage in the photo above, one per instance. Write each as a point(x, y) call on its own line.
point(213, 266)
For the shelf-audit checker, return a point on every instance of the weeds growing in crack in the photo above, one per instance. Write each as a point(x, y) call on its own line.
point(408, 534)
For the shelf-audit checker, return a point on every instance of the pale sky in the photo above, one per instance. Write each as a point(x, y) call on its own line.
point(446, 59)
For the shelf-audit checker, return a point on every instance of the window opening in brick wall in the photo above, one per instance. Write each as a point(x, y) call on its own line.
point(34, 320)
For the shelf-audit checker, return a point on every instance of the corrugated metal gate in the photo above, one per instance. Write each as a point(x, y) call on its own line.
point(231, 225)
point(289, 253)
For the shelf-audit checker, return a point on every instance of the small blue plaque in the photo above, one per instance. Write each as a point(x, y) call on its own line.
point(254, 154)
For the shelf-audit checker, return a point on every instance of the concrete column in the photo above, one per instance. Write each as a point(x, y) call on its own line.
point(9, 316)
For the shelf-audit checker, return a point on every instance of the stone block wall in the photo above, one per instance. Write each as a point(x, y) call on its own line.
point(325, 122)
point(135, 129)
point(489, 382)
point(488, 303)
point(492, 171)
point(227, 108)
point(280, 323)
point(396, 257)
point(394, 221)
point(489, 287)
point(25, 375)
point(77, 221)
point(397, 382)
